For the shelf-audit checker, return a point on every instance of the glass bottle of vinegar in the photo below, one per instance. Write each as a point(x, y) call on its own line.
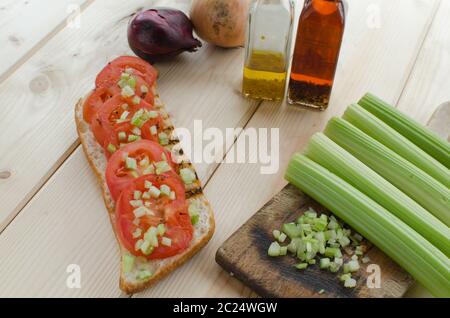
point(316, 53)
point(267, 48)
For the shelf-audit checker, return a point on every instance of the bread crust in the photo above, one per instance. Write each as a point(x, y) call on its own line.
point(173, 262)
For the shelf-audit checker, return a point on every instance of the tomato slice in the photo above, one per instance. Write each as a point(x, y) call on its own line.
point(101, 95)
point(110, 75)
point(96, 100)
point(146, 153)
point(150, 133)
point(172, 213)
point(113, 125)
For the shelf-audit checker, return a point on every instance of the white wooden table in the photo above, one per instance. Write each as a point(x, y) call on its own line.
point(51, 210)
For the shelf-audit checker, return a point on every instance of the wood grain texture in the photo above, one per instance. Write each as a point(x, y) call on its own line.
point(371, 58)
point(245, 255)
point(53, 232)
point(427, 86)
point(66, 221)
point(25, 24)
point(204, 96)
point(44, 90)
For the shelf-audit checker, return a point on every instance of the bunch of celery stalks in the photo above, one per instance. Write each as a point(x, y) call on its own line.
point(388, 177)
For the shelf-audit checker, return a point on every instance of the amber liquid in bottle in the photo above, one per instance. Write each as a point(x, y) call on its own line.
point(316, 53)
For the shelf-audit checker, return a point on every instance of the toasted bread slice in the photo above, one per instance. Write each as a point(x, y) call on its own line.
point(203, 230)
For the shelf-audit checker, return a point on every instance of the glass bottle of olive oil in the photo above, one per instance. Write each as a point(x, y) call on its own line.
point(267, 49)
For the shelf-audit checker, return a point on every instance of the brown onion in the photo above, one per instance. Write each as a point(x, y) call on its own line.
point(220, 22)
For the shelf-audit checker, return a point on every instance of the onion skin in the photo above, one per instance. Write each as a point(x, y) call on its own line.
point(220, 22)
point(161, 33)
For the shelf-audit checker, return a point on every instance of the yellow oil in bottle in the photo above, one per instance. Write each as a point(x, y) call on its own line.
point(265, 75)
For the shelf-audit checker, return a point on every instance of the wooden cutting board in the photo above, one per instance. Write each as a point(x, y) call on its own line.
point(244, 254)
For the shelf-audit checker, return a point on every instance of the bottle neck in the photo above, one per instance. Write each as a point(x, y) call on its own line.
point(322, 2)
point(324, 6)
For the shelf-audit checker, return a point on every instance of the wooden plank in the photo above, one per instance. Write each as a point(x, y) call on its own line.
point(428, 84)
point(52, 232)
point(245, 255)
point(25, 24)
point(378, 60)
point(231, 207)
point(208, 99)
point(43, 92)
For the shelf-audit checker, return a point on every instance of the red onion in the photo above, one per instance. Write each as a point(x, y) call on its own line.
point(157, 34)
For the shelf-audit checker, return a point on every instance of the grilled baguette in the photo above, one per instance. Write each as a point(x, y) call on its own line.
point(203, 230)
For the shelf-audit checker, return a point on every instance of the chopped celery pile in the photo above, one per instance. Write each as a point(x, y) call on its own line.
point(313, 236)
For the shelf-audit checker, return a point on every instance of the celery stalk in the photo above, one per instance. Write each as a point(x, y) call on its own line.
point(421, 187)
point(331, 156)
point(424, 138)
point(380, 131)
point(410, 250)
